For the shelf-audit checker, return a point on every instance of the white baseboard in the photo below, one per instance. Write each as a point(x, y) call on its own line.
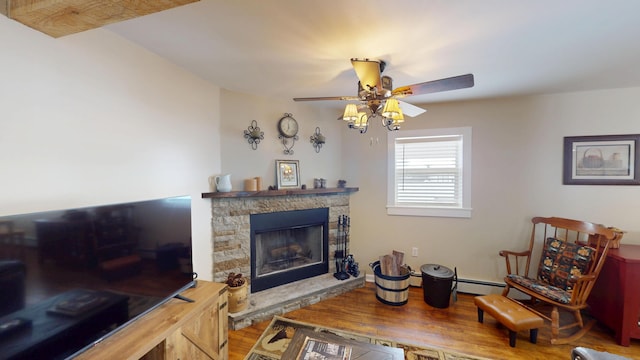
point(369, 278)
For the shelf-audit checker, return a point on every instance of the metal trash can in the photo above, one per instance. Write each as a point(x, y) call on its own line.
point(437, 281)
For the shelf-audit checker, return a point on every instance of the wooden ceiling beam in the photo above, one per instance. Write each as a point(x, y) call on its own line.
point(63, 17)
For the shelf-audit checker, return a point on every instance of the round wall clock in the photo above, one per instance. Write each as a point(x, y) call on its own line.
point(288, 126)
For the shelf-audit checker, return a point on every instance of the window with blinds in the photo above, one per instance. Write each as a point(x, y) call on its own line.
point(428, 172)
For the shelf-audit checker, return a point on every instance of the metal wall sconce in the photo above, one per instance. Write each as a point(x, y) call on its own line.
point(317, 139)
point(253, 134)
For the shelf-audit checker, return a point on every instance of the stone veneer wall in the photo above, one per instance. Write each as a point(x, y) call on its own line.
point(232, 229)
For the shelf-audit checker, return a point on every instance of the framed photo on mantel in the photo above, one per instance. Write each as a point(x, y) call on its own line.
point(288, 174)
point(601, 160)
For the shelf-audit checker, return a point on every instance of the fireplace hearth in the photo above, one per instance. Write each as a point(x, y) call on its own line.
point(287, 246)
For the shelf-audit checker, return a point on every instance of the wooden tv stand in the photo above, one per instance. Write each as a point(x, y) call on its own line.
point(175, 330)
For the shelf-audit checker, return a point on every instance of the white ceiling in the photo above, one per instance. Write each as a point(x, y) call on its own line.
point(301, 48)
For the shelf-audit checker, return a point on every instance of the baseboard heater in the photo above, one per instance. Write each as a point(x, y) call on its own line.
point(479, 287)
point(468, 286)
point(480, 282)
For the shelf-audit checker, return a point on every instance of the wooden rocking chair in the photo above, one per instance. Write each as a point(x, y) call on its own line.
point(573, 253)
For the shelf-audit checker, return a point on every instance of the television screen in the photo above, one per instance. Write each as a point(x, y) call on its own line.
point(71, 277)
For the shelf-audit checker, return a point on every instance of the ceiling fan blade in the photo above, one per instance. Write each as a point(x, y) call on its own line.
point(347, 98)
point(368, 72)
point(410, 110)
point(452, 83)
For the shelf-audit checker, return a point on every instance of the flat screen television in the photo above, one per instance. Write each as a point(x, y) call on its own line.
point(70, 278)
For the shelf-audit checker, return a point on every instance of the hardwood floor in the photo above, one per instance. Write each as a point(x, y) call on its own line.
point(455, 328)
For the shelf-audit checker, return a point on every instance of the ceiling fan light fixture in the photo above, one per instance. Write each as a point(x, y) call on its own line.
point(376, 96)
point(350, 113)
point(393, 123)
point(361, 124)
point(398, 118)
point(391, 108)
point(362, 120)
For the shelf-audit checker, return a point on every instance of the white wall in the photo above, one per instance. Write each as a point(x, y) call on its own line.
point(517, 174)
point(92, 119)
point(239, 160)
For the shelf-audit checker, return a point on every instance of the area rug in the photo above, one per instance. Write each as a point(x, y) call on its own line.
point(276, 337)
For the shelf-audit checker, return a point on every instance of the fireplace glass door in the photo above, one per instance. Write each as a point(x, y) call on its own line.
point(283, 250)
point(288, 246)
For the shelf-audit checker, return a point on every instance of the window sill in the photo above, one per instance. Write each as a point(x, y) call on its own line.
point(429, 211)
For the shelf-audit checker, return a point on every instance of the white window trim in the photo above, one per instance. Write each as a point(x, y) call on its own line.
point(460, 212)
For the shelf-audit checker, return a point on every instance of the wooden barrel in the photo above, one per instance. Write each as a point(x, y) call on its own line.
point(391, 290)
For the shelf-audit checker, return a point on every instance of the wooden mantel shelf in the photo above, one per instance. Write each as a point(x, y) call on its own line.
point(266, 193)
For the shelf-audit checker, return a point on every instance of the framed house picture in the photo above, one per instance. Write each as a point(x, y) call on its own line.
point(288, 174)
point(601, 160)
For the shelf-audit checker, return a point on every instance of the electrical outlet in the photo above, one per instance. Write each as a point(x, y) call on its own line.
point(414, 251)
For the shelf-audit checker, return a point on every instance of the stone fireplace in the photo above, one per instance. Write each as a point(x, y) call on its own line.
point(231, 224)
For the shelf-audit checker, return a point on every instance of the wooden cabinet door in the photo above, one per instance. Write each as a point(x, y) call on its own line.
point(204, 337)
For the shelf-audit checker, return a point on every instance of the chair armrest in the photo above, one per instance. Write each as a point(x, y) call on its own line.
point(583, 278)
point(507, 253)
point(580, 290)
point(515, 257)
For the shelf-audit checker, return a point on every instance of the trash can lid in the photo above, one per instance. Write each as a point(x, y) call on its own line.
point(436, 270)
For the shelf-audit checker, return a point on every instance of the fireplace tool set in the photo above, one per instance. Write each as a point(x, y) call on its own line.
point(346, 265)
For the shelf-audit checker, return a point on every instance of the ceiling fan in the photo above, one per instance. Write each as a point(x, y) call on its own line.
point(376, 95)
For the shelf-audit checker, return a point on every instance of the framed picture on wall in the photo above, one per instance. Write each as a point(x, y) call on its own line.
point(601, 160)
point(288, 174)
